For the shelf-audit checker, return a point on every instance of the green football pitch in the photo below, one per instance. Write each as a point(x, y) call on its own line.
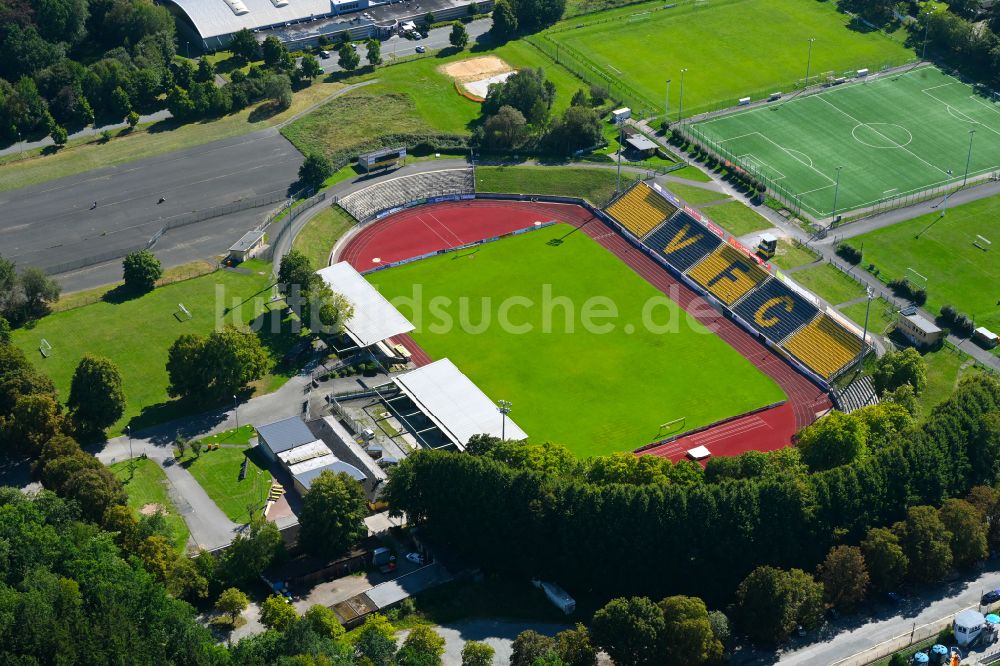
point(891, 136)
point(730, 49)
point(961, 269)
point(596, 391)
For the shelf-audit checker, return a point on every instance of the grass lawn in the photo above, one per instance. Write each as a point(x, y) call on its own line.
point(881, 317)
point(146, 483)
point(957, 271)
point(891, 136)
point(643, 45)
point(149, 140)
point(218, 472)
point(945, 368)
point(736, 218)
point(135, 334)
point(695, 195)
point(320, 233)
point(790, 255)
point(692, 173)
point(596, 385)
point(595, 185)
point(77, 299)
point(828, 283)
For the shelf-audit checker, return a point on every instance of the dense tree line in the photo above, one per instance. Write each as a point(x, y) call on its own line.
point(516, 114)
point(533, 511)
point(511, 17)
point(64, 63)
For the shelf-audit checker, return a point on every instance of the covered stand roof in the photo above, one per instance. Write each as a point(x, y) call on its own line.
point(454, 403)
point(374, 319)
point(213, 18)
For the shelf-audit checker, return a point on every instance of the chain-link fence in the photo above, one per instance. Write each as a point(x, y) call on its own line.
point(884, 649)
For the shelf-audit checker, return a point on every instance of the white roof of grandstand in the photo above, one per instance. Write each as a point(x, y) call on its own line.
point(299, 454)
point(312, 463)
point(375, 319)
point(454, 403)
point(213, 18)
point(334, 467)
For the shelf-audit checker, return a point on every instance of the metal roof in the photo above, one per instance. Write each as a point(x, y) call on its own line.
point(639, 142)
point(394, 591)
point(316, 449)
point(924, 324)
point(374, 319)
point(307, 477)
point(454, 403)
point(247, 242)
point(212, 18)
point(285, 434)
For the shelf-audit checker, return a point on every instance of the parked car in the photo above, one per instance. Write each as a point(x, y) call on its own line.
point(421, 49)
point(990, 597)
point(416, 558)
point(325, 55)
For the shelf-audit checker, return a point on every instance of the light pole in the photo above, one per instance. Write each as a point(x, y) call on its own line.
point(666, 105)
point(236, 411)
point(864, 336)
point(972, 135)
point(503, 406)
point(809, 59)
point(128, 430)
point(680, 110)
point(618, 181)
point(836, 191)
point(927, 26)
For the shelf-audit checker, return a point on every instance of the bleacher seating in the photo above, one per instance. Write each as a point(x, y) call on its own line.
point(682, 241)
point(859, 393)
point(728, 274)
point(368, 201)
point(824, 345)
point(775, 310)
point(641, 209)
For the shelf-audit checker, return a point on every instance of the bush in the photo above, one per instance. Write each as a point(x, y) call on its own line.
point(919, 296)
point(849, 253)
point(956, 321)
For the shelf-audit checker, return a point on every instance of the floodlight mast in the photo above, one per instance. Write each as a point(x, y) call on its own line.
point(504, 407)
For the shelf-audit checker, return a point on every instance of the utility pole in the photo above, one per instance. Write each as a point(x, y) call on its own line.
point(503, 406)
point(236, 411)
point(809, 59)
point(680, 110)
point(836, 192)
point(864, 336)
point(972, 135)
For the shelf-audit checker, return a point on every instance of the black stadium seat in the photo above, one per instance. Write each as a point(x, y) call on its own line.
point(682, 241)
point(775, 310)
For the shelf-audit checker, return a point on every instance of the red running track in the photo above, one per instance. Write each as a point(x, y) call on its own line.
point(440, 226)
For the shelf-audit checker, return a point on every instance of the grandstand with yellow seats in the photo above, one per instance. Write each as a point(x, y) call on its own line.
point(728, 274)
point(641, 209)
point(824, 345)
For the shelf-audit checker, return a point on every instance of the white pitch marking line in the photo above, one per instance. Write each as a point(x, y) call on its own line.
point(885, 137)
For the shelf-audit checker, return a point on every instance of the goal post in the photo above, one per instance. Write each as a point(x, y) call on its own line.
point(187, 313)
point(44, 348)
point(916, 278)
point(672, 426)
point(982, 243)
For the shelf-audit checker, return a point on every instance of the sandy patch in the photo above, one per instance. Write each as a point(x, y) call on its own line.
point(475, 69)
point(150, 509)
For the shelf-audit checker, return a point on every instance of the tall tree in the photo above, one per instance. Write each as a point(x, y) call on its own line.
point(422, 647)
point(314, 170)
point(894, 369)
point(245, 46)
point(575, 648)
point(232, 602)
point(885, 559)
point(96, 394)
point(475, 653)
point(324, 310)
point(459, 36)
point(376, 641)
point(687, 636)
point(141, 270)
point(373, 50)
point(348, 58)
point(504, 19)
point(529, 647)
point(252, 551)
point(926, 542)
point(844, 577)
point(309, 67)
point(968, 529)
point(333, 513)
point(276, 613)
point(295, 272)
point(834, 440)
point(771, 602)
point(630, 631)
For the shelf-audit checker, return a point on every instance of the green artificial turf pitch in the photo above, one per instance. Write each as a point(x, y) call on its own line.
point(958, 271)
point(595, 392)
point(730, 49)
point(893, 136)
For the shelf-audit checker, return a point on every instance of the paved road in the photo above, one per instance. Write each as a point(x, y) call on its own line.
point(156, 116)
point(398, 47)
point(51, 223)
point(852, 635)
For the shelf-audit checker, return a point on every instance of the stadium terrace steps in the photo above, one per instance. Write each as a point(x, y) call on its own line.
point(824, 345)
point(728, 274)
point(859, 393)
point(640, 209)
point(682, 241)
point(776, 310)
point(368, 201)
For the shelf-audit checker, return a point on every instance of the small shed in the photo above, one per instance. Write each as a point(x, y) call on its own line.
point(919, 330)
point(246, 247)
point(985, 337)
point(699, 453)
point(968, 625)
point(618, 116)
